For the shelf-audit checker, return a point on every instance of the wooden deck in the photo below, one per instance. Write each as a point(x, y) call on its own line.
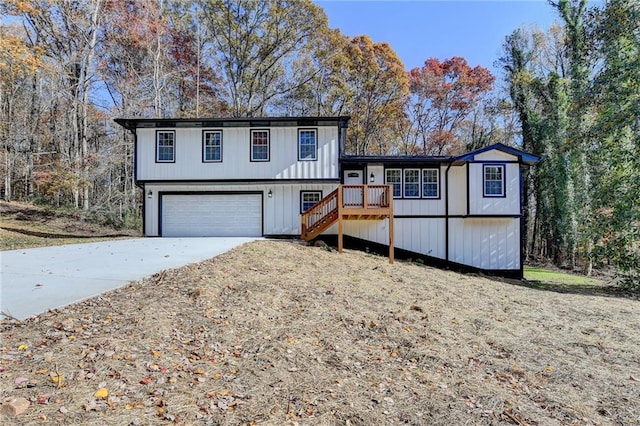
point(350, 202)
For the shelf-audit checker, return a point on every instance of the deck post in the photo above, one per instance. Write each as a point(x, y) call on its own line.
point(340, 200)
point(391, 246)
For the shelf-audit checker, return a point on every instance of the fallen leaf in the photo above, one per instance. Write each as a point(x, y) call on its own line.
point(146, 380)
point(57, 378)
point(101, 393)
point(23, 347)
point(20, 380)
point(128, 406)
point(156, 353)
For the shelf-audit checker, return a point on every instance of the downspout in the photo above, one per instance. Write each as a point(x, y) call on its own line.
point(446, 212)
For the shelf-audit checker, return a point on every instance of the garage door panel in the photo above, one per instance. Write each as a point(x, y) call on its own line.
point(212, 215)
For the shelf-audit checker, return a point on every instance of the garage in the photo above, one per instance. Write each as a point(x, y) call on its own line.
point(211, 215)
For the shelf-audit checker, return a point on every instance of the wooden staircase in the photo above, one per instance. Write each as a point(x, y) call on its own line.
point(349, 202)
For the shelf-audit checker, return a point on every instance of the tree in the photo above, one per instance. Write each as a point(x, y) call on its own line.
point(376, 85)
point(444, 95)
point(616, 99)
point(253, 43)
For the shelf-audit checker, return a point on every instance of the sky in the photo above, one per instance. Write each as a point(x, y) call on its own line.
point(421, 29)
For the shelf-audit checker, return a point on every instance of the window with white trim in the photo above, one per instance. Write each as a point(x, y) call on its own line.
point(307, 145)
point(309, 199)
point(411, 183)
point(430, 179)
point(165, 146)
point(394, 177)
point(494, 183)
point(212, 146)
point(259, 145)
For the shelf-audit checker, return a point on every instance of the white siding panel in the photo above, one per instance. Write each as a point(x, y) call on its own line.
point(495, 155)
point(485, 243)
point(510, 204)
point(458, 190)
point(423, 235)
point(236, 162)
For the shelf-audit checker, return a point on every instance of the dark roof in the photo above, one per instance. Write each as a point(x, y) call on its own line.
point(398, 160)
point(415, 160)
point(133, 123)
point(523, 157)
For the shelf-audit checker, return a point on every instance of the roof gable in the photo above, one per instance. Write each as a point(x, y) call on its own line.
point(523, 157)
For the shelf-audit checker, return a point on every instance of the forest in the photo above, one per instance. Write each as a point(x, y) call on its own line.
point(569, 93)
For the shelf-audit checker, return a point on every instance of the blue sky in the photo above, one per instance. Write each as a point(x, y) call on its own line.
point(422, 29)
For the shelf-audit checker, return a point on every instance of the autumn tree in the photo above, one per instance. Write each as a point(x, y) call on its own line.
point(376, 87)
point(252, 43)
point(444, 93)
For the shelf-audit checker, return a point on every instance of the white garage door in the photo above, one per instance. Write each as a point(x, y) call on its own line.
point(212, 215)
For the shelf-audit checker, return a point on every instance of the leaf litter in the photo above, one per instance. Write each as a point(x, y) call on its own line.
point(275, 332)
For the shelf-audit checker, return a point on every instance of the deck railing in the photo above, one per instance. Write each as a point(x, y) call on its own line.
point(365, 196)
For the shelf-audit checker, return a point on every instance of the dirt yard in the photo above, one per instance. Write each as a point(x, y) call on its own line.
point(277, 333)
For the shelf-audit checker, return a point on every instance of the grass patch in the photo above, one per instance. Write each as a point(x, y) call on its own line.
point(557, 277)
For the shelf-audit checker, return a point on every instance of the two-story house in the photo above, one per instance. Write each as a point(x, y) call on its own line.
point(288, 176)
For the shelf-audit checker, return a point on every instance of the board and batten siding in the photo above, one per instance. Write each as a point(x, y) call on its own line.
point(485, 243)
point(281, 212)
point(419, 235)
point(236, 160)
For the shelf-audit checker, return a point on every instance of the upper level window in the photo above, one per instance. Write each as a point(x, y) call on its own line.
point(309, 199)
point(430, 183)
point(394, 177)
point(494, 183)
point(259, 145)
point(165, 146)
point(307, 145)
point(212, 145)
point(412, 183)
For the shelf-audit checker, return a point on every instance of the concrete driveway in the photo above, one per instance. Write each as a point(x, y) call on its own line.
point(33, 281)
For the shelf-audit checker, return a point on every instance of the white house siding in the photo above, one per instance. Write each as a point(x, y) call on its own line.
point(419, 235)
point(485, 243)
point(480, 205)
point(458, 190)
point(236, 162)
point(281, 211)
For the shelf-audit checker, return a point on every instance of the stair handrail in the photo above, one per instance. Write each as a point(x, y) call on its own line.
point(319, 212)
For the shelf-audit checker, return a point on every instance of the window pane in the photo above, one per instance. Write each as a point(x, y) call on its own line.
point(412, 183)
point(307, 144)
point(494, 180)
point(430, 183)
point(309, 199)
point(260, 145)
point(213, 146)
point(165, 146)
point(394, 178)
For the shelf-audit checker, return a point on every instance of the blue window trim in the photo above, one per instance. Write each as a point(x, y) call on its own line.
point(204, 145)
point(302, 209)
point(173, 146)
point(399, 187)
point(503, 179)
point(315, 145)
point(417, 184)
point(260, 160)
